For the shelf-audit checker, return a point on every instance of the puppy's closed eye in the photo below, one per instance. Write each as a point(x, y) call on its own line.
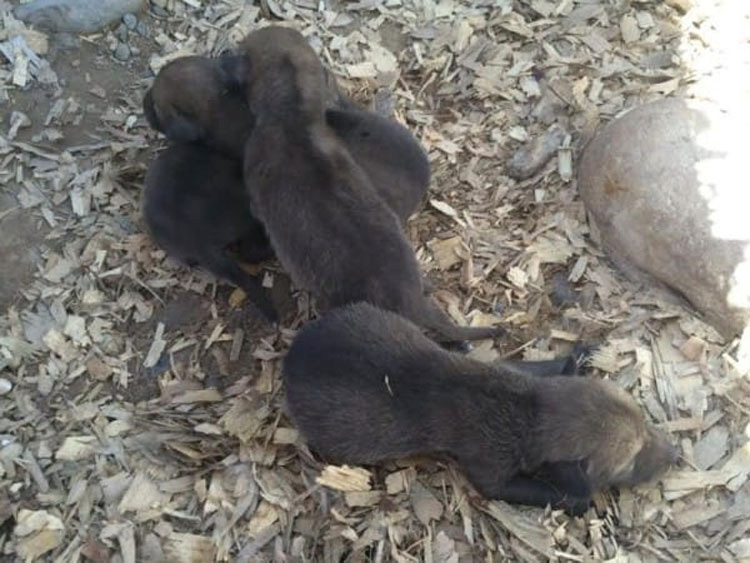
point(181, 127)
point(234, 71)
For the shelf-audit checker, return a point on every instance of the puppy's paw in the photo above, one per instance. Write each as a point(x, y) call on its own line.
point(575, 506)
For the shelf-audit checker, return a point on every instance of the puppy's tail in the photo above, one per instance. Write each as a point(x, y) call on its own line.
point(442, 329)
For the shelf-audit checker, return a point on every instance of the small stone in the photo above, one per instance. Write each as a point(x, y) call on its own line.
point(5, 386)
point(159, 11)
point(135, 51)
point(530, 159)
point(142, 28)
point(122, 52)
point(130, 21)
point(122, 32)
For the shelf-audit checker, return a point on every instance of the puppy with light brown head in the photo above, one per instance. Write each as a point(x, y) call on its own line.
point(621, 449)
point(365, 386)
point(192, 99)
point(329, 226)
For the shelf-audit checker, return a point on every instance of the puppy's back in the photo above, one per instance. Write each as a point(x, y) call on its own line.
point(365, 385)
point(388, 153)
point(195, 198)
point(356, 382)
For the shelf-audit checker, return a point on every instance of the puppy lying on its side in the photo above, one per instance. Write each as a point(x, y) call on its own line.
point(194, 210)
point(364, 386)
point(330, 229)
point(194, 99)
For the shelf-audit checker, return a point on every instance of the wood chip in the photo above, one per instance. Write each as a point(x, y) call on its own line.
point(157, 347)
point(76, 448)
point(426, 506)
point(189, 548)
point(345, 478)
point(446, 251)
point(143, 494)
point(629, 29)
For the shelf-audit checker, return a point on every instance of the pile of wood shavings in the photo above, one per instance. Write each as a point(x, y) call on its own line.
point(141, 413)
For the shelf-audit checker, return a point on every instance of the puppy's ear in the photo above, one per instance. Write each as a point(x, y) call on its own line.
point(234, 70)
point(150, 112)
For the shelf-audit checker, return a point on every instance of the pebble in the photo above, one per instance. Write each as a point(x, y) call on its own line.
point(530, 159)
point(563, 293)
point(122, 33)
point(130, 21)
point(122, 52)
point(142, 28)
point(5, 386)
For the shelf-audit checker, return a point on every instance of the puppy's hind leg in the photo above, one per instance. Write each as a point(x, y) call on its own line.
point(443, 331)
point(224, 267)
point(567, 365)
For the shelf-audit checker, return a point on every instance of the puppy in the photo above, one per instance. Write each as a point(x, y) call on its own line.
point(196, 210)
point(330, 228)
point(192, 99)
point(365, 385)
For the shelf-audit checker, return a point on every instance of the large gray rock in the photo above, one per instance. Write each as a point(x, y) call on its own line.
point(75, 16)
point(666, 187)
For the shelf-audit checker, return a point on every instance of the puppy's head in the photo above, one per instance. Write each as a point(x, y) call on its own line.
point(601, 425)
point(193, 99)
point(278, 70)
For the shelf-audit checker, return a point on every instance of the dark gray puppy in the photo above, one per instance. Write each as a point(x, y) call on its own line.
point(330, 228)
point(194, 99)
point(365, 385)
point(194, 210)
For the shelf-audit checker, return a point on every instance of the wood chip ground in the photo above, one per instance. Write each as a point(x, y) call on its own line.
point(141, 410)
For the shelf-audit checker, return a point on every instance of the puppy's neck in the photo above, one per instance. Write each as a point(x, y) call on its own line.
point(290, 94)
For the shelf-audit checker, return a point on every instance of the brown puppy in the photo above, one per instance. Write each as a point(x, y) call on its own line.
point(194, 209)
point(192, 99)
point(190, 96)
point(330, 229)
point(364, 385)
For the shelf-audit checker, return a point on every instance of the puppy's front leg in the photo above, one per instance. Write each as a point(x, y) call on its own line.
point(534, 492)
point(223, 266)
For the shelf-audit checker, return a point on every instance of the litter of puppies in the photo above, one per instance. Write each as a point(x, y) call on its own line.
point(540, 441)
